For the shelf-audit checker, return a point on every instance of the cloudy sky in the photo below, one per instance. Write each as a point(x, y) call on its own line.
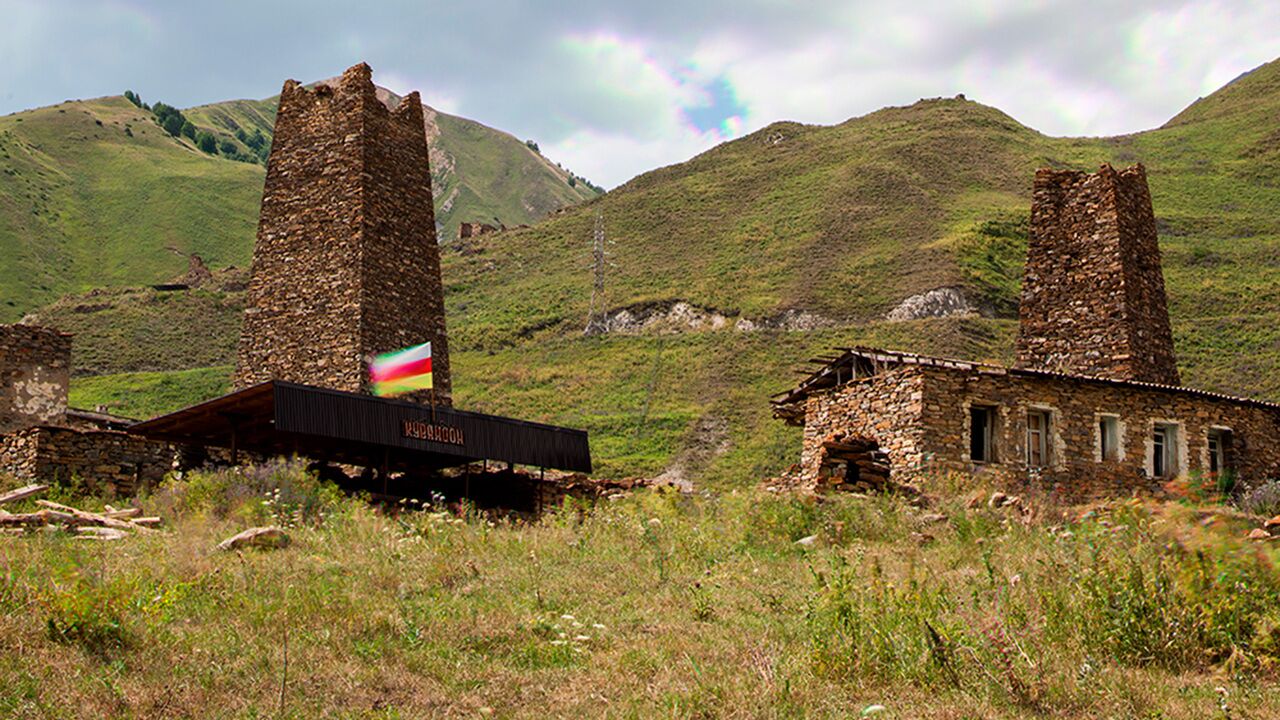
point(611, 88)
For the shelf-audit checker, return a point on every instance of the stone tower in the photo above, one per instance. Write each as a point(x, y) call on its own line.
point(346, 264)
point(1093, 299)
point(35, 370)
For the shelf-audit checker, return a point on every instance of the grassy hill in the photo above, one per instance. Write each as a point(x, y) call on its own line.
point(841, 223)
point(94, 194)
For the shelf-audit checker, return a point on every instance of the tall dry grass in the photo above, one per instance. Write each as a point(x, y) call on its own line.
point(656, 605)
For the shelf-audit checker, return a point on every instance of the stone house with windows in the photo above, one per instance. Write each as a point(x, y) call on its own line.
point(1093, 405)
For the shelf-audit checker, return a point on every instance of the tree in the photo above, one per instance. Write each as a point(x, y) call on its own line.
point(206, 142)
point(532, 146)
point(132, 97)
point(189, 130)
point(228, 148)
point(173, 124)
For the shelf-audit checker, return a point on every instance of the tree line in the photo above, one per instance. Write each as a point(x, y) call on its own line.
point(173, 122)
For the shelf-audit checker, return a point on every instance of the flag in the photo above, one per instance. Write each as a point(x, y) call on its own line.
point(401, 371)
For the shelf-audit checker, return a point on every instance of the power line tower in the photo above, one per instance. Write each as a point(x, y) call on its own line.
point(597, 314)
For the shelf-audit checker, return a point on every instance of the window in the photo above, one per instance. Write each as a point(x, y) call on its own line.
point(982, 426)
point(1108, 437)
point(1037, 438)
point(1164, 451)
point(1219, 450)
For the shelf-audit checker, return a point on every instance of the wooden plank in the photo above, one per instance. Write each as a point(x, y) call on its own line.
point(90, 518)
point(22, 492)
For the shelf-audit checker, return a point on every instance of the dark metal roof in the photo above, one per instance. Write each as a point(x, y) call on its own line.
point(283, 418)
point(827, 376)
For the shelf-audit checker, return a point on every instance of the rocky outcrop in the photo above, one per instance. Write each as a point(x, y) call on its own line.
point(936, 303)
point(679, 316)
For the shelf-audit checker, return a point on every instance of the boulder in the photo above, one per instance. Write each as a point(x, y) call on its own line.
point(1259, 535)
point(267, 538)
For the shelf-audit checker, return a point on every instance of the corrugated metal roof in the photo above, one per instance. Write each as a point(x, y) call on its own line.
point(817, 379)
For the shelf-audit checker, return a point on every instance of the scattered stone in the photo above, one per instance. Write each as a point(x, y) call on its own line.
point(922, 538)
point(1273, 525)
point(998, 499)
point(267, 538)
point(1259, 535)
point(932, 518)
point(807, 541)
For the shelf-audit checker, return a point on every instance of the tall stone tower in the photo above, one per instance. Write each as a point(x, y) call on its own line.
point(1093, 299)
point(346, 264)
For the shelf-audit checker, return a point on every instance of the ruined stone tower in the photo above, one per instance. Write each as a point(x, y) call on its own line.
point(346, 264)
point(1093, 299)
point(35, 370)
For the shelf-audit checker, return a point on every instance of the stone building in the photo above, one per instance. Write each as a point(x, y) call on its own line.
point(1093, 406)
point(346, 264)
point(41, 438)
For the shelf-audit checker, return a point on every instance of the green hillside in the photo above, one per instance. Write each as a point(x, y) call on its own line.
point(94, 194)
point(841, 224)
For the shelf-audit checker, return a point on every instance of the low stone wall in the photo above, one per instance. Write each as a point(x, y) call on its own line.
point(103, 460)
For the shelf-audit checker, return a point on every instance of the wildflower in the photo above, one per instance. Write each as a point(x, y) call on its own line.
point(559, 642)
point(597, 626)
point(582, 638)
point(567, 617)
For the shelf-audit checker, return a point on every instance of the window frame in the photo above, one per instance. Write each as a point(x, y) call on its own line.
point(991, 413)
point(1167, 456)
point(1109, 429)
point(1043, 442)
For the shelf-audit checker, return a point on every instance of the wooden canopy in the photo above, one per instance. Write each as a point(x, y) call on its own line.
point(280, 418)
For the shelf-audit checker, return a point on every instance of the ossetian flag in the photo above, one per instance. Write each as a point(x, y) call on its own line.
point(401, 371)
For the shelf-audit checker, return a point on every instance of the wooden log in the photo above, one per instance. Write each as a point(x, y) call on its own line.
point(89, 518)
point(40, 517)
point(147, 521)
point(122, 514)
point(855, 447)
point(100, 533)
point(22, 492)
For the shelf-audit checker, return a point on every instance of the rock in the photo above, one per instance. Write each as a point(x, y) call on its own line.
point(1273, 525)
point(933, 518)
point(998, 499)
point(1259, 535)
point(807, 541)
point(922, 538)
point(267, 538)
point(936, 303)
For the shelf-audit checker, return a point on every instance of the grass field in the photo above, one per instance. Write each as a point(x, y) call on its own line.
point(653, 606)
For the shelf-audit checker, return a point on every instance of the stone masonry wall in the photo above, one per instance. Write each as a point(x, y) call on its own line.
point(35, 369)
point(921, 417)
point(1093, 297)
point(346, 264)
point(102, 460)
point(886, 408)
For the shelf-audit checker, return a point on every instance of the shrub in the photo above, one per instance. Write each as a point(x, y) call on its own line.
point(282, 492)
point(206, 142)
point(1262, 500)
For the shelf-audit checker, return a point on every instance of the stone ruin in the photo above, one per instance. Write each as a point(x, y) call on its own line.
point(1093, 300)
point(1093, 406)
point(346, 264)
point(41, 437)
